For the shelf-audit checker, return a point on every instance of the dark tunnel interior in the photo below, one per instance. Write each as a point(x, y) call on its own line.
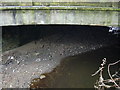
point(34, 32)
point(26, 33)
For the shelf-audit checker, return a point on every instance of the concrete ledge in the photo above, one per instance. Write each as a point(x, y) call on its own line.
point(60, 0)
point(96, 4)
point(58, 8)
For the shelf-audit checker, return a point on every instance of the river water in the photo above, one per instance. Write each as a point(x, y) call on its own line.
point(76, 71)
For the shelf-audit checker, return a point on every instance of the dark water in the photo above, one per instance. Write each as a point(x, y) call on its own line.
point(76, 71)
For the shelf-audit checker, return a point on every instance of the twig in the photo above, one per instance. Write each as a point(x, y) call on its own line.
point(102, 83)
point(100, 68)
point(110, 74)
point(97, 71)
point(109, 80)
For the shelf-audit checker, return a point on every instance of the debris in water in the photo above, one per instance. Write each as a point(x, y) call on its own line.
point(42, 76)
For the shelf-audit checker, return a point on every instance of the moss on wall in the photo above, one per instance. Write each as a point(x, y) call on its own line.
point(97, 4)
point(61, 8)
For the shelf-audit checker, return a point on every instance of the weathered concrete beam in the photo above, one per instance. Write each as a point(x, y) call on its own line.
point(81, 13)
point(79, 17)
point(96, 4)
point(59, 8)
point(59, 0)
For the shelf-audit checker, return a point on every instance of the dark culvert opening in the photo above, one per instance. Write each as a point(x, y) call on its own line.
point(81, 49)
point(21, 35)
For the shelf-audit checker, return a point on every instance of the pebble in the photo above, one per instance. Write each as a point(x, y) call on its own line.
point(26, 71)
point(38, 60)
point(18, 62)
point(11, 57)
point(48, 64)
point(37, 54)
point(45, 59)
point(6, 68)
point(13, 70)
point(32, 84)
point(10, 86)
point(18, 71)
point(34, 80)
point(50, 56)
point(81, 46)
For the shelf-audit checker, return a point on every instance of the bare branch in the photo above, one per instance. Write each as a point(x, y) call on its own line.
point(101, 83)
point(110, 73)
point(100, 68)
